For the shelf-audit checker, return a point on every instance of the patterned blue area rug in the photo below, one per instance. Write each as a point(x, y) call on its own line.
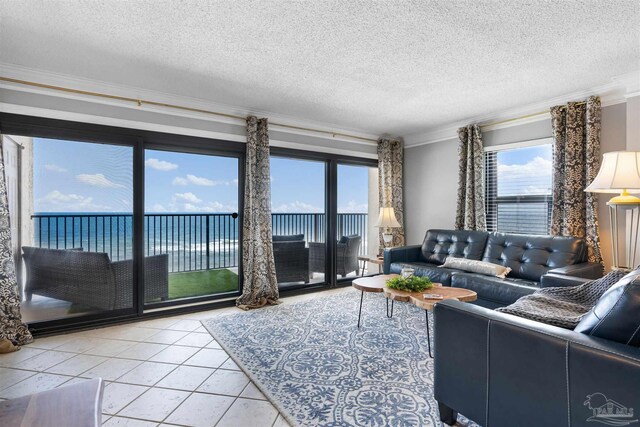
point(318, 369)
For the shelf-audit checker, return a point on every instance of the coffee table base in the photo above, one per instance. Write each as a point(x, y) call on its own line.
point(426, 316)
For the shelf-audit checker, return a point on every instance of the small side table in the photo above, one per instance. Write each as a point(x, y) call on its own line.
point(374, 284)
point(366, 259)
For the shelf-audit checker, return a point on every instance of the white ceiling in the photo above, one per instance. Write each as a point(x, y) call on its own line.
point(398, 67)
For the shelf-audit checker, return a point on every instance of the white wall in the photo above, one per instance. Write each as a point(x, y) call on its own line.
point(431, 174)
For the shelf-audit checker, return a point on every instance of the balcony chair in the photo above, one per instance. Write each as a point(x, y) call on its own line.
point(346, 256)
point(292, 258)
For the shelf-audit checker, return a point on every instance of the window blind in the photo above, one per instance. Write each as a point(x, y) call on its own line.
point(518, 191)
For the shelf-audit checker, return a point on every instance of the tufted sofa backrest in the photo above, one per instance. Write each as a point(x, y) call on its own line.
point(439, 244)
point(530, 257)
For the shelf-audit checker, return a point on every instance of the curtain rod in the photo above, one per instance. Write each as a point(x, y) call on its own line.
point(539, 113)
point(140, 102)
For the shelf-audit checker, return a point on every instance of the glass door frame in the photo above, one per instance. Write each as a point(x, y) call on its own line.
point(35, 127)
point(207, 147)
point(331, 205)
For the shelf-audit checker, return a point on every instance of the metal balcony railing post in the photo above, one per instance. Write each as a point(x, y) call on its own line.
point(207, 240)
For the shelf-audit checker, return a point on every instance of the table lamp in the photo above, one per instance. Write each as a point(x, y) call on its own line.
point(387, 220)
point(620, 173)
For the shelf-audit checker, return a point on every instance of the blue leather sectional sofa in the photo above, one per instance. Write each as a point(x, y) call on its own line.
point(500, 370)
point(535, 261)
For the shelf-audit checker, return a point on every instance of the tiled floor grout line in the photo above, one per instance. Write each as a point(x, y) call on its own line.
point(108, 338)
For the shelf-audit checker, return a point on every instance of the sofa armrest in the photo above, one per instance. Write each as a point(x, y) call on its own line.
point(401, 254)
point(490, 366)
point(561, 281)
point(587, 270)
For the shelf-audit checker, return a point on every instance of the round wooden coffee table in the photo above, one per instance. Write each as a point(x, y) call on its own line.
point(375, 284)
point(418, 299)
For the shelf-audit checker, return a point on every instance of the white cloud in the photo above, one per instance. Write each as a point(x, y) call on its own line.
point(55, 168)
point(296, 207)
point(209, 207)
point(354, 207)
point(97, 180)
point(533, 177)
point(188, 197)
point(179, 181)
point(197, 180)
point(157, 208)
point(69, 202)
point(160, 165)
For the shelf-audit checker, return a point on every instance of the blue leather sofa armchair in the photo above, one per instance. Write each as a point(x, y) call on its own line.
point(502, 371)
point(535, 261)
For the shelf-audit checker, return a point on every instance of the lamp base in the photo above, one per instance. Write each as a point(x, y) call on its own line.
point(624, 199)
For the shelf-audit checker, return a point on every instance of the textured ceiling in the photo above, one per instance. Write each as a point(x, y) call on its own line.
point(400, 67)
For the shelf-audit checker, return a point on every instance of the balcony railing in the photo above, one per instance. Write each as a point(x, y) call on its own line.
point(192, 241)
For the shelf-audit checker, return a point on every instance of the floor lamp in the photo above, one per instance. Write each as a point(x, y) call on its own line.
point(619, 173)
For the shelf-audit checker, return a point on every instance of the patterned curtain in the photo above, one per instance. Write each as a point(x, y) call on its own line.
point(390, 164)
point(260, 283)
point(470, 213)
point(12, 330)
point(576, 160)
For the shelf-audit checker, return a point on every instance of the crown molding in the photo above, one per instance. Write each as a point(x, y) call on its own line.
point(63, 80)
point(615, 92)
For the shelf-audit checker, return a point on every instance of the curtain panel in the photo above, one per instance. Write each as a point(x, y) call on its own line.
point(470, 210)
point(260, 283)
point(390, 186)
point(576, 160)
point(12, 330)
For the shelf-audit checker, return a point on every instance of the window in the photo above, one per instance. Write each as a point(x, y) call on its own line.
point(518, 191)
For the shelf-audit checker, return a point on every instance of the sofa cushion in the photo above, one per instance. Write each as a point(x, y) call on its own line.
point(501, 291)
point(439, 244)
point(475, 266)
point(530, 257)
point(616, 314)
point(433, 272)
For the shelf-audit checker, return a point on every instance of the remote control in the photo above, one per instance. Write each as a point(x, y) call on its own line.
point(433, 296)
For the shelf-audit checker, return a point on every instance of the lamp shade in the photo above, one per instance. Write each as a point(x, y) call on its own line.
point(619, 173)
point(387, 218)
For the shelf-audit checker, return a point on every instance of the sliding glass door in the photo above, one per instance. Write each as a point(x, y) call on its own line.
point(357, 207)
point(298, 200)
point(191, 226)
point(72, 217)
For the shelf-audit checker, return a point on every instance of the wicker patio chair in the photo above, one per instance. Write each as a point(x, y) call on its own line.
point(346, 256)
point(292, 258)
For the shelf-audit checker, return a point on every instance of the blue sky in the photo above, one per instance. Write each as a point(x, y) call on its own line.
point(86, 177)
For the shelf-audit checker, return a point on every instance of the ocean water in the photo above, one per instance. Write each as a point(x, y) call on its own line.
point(193, 242)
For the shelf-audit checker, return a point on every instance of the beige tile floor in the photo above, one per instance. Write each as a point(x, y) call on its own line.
point(167, 371)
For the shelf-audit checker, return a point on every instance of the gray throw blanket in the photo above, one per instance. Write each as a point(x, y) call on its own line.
point(562, 306)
